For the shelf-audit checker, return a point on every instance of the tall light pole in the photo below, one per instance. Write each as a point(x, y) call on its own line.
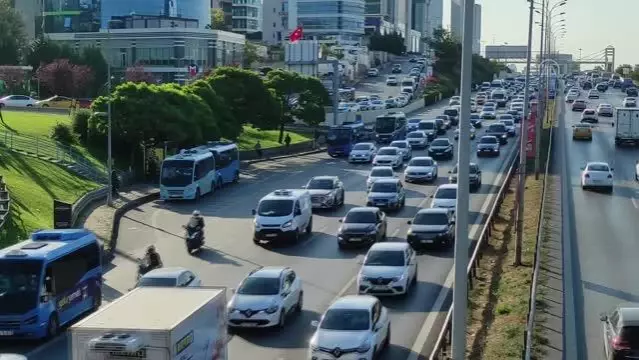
point(460, 291)
point(109, 116)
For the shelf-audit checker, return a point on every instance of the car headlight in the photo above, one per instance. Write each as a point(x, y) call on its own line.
point(410, 231)
point(399, 278)
point(364, 348)
point(287, 224)
point(272, 309)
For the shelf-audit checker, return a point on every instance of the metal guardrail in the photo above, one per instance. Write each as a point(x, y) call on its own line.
point(5, 212)
point(87, 199)
point(442, 345)
point(55, 152)
point(532, 302)
point(33, 109)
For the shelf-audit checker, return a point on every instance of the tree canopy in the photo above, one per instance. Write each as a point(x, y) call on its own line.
point(12, 34)
point(391, 43)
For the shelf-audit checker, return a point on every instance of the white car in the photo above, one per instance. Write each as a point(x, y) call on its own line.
point(373, 72)
point(593, 94)
point(421, 168)
point(379, 172)
point(362, 152)
point(169, 277)
point(454, 100)
point(348, 107)
point(392, 81)
point(605, 110)
point(407, 91)
point(17, 101)
point(327, 192)
point(389, 268)
point(388, 156)
point(571, 97)
point(404, 147)
point(597, 175)
point(401, 100)
point(417, 139)
point(629, 102)
point(353, 327)
point(589, 116)
point(265, 298)
point(445, 197)
point(376, 105)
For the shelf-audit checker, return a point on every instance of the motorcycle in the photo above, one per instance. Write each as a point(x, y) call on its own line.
point(143, 267)
point(194, 239)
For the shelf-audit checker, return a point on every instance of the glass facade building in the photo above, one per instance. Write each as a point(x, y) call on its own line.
point(199, 10)
point(247, 16)
point(62, 16)
point(340, 20)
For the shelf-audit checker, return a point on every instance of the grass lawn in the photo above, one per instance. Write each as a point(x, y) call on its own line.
point(33, 185)
point(32, 123)
point(267, 138)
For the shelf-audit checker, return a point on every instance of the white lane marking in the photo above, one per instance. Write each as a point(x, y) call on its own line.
point(427, 327)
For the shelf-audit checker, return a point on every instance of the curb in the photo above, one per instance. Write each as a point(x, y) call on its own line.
point(287, 156)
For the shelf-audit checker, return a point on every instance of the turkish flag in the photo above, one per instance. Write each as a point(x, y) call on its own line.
point(296, 35)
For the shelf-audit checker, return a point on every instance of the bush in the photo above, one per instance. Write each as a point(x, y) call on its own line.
point(63, 133)
point(80, 124)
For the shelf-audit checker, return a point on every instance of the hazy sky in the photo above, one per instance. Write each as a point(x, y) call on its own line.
point(591, 25)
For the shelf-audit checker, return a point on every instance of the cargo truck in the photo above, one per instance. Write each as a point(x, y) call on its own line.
point(157, 324)
point(627, 126)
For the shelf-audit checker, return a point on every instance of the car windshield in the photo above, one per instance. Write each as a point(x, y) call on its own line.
point(450, 112)
point(427, 125)
point(505, 117)
point(385, 258)
point(415, 135)
point(427, 218)
point(448, 193)
point(255, 285)
point(584, 126)
point(421, 162)
point(384, 187)
point(360, 217)
point(414, 121)
point(387, 152)
point(508, 122)
point(346, 320)
point(496, 128)
point(320, 184)
point(399, 144)
point(177, 173)
point(381, 173)
point(157, 282)
point(19, 285)
point(630, 334)
point(440, 142)
point(598, 167)
point(488, 140)
point(589, 112)
point(275, 208)
point(362, 147)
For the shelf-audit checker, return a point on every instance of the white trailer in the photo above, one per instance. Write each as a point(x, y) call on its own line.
point(157, 324)
point(627, 131)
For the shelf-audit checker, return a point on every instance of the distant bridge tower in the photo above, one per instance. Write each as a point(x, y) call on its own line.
point(609, 56)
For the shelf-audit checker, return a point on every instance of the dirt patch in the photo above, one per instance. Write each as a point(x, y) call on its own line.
point(498, 305)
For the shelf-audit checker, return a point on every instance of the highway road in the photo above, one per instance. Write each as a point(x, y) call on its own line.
point(600, 245)
point(326, 271)
point(377, 85)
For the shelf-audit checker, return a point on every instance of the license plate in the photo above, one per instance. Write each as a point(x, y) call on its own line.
point(379, 287)
point(249, 324)
point(596, 181)
point(380, 204)
point(427, 241)
point(355, 239)
point(6, 333)
point(439, 153)
point(271, 235)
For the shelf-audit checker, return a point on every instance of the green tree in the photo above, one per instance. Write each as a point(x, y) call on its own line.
point(217, 20)
point(246, 96)
point(622, 68)
point(250, 54)
point(447, 51)
point(12, 35)
point(220, 114)
point(43, 51)
point(93, 58)
point(391, 43)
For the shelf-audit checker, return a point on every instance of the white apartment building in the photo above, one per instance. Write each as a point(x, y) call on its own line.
point(274, 21)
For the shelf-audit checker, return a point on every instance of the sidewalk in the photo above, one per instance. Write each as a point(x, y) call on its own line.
point(548, 333)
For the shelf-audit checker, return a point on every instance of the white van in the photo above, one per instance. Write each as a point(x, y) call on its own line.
point(409, 82)
point(500, 97)
point(283, 215)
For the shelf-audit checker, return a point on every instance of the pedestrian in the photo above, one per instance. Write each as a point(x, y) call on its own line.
point(258, 149)
point(287, 140)
point(115, 183)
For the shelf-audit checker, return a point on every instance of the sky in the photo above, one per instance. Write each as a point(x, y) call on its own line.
point(590, 25)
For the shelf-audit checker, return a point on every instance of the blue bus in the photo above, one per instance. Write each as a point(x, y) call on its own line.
point(188, 175)
point(390, 127)
point(341, 138)
point(48, 282)
point(227, 161)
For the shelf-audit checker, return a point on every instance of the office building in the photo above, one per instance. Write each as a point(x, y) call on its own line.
point(274, 21)
point(340, 21)
point(247, 16)
point(199, 10)
point(434, 11)
point(477, 29)
point(379, 14)
point(29, 10)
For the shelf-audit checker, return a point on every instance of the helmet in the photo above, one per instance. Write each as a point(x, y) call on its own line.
point(196, 212)
point(150, 249)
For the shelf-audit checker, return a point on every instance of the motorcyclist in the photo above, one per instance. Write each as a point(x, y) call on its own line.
point(195, 224)
point(152, 259)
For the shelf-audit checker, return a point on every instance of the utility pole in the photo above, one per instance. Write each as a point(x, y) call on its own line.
point(524, 142)
point(538, 126)
point(460, 290)
point(109, 118)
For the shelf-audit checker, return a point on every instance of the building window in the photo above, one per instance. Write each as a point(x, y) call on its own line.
point(274, 25)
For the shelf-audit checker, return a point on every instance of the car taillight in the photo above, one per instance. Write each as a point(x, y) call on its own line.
point(619, 344)
point(587, 176)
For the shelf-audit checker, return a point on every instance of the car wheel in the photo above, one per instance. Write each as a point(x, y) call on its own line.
point(282, 321)
point(300, 302)
point(97, 300)
point(197, 194)
point(387, 340)
point(53, 326)
point(309, 227)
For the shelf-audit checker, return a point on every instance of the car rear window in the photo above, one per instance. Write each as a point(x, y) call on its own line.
point(630, 334)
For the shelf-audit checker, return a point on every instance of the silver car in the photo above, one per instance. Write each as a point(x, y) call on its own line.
point(404, 148)
point(422, 168)
point(417, 139)
point(605, 110)
point(379, 172)
point(362, 152)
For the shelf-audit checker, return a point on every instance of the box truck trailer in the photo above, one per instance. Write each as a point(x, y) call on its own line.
point(627, 131)
point(157, 324)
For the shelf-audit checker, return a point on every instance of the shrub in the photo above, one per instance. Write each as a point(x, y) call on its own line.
point(80, 123)
point(63, 133)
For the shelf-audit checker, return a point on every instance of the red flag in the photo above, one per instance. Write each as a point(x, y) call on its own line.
point(296, 35)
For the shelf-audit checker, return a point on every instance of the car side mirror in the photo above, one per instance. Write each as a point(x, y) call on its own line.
point(48, 285)
point(450, 171)
point(611, 169)
point(232, 290)
point(315, 323)
point(253, 212)
point(409, 222)
point(603, 317)
point(303, 187)
point(452, 222)
point(583, 168)
point(340, 220)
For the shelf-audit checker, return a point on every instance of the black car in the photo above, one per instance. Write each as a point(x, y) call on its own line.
point(397, 69)
point(362, 226)
point(475, 121)
point(434, 227)
point(620, 332)
point(499, 131)
point(587, 85)
point(516, 115)
point(602, 87)
point(453, 115)
point(632, 91)
point(488, 145)
point(441, 148)
point(474, 176)
point(441, 126)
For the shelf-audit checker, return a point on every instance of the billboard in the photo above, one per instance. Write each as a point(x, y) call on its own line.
point(506, 52)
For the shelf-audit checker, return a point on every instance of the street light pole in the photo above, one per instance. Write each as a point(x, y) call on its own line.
point(538, 120)
point(109, 159)
point(524, 142)
point(460, 291)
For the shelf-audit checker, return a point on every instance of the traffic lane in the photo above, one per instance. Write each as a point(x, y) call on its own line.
point(376, 85)
point(603, 231)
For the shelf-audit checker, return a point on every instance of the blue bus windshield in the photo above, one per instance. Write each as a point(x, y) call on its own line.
point(385, 125)
point(177, 173)
point(19, 285)
point(339, 136)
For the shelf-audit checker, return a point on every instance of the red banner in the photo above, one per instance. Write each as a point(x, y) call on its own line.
point(530, 143)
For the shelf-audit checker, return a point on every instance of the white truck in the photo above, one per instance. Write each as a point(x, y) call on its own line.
point(627, 126)
point(157, 324)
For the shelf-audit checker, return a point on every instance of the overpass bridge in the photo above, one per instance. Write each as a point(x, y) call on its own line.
point(516, 54)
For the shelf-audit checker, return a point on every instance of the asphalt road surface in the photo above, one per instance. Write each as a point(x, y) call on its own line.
point(377, 85)
point(602, 235)
point(326, 271)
